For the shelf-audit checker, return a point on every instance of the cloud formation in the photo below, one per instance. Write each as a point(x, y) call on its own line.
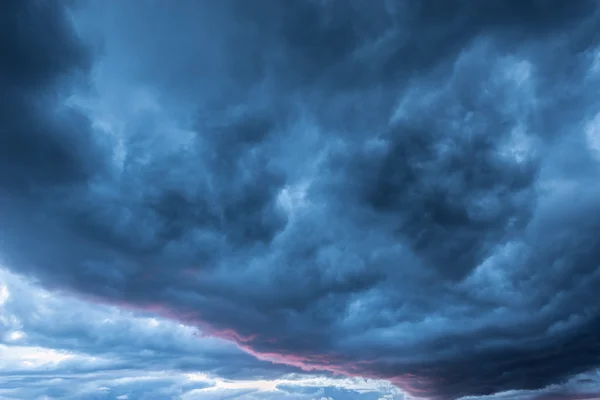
point(393, 190)
point(56, 347)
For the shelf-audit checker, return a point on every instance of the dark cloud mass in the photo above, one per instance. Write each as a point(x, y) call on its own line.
point(40, 57)
point(405, 190)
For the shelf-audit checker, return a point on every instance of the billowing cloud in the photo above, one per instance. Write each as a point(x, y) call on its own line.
point(394, 190)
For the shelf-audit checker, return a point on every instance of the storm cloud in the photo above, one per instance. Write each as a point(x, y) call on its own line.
point(401, 190)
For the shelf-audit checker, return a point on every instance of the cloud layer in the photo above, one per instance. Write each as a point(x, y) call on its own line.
point(56, 347)
point(393, 190)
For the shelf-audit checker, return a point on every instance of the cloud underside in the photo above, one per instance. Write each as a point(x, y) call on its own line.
point(398, 190)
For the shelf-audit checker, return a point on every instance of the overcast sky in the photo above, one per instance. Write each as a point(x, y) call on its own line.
point(301, 199)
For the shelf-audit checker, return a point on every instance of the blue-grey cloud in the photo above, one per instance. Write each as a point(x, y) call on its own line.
point(41, 58)
point(402, 190)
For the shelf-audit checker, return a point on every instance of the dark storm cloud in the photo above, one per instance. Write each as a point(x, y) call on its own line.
point(41, 142)
point(404, 190)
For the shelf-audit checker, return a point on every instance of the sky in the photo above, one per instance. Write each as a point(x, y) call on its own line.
point(304, 199)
